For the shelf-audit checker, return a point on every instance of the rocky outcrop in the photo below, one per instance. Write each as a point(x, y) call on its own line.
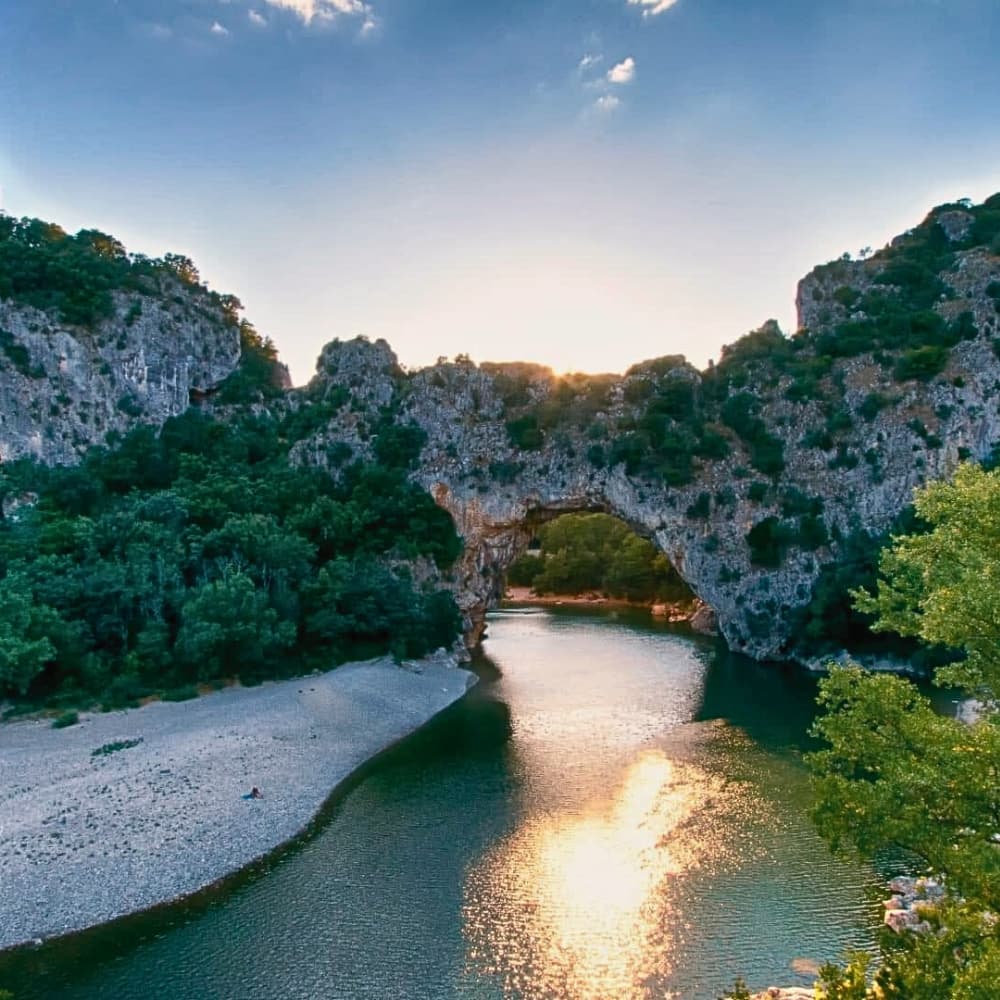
point(65, 388)
point(911, 901)
point(751, 476)
point(509, 447)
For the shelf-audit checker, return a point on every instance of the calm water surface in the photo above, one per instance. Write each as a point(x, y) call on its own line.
point(618, 811)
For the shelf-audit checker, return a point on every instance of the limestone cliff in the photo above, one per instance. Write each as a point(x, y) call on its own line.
point(64, 388)
point(765, 464)
point(751, 476)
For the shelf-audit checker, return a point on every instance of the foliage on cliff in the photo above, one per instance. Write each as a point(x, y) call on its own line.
point(75, 275)
point(894, 773)
point(586, 553)
point(201, 552)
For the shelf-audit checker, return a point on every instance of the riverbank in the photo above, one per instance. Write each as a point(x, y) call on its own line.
point(158, 812)
point(696, 613)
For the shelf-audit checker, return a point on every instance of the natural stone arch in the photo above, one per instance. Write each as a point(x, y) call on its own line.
point(842, 429)
point(497, 530)
point(492, 546)
point(509, 444)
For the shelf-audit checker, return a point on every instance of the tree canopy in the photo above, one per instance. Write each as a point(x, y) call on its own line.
point(75, 275)
point(202, 552)
point(895, 773)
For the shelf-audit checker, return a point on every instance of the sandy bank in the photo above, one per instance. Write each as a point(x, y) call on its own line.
point(85, 839)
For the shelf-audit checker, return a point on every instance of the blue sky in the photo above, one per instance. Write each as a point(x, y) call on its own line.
point(584, 183)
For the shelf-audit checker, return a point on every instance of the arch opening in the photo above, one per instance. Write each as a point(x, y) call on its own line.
point(592, 557)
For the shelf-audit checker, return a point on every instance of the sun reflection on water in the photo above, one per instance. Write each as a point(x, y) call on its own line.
point(578, 904)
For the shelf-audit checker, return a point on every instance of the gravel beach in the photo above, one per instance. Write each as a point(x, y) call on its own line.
point(85, 839)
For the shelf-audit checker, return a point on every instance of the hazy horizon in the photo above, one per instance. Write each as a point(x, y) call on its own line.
point(580, 184)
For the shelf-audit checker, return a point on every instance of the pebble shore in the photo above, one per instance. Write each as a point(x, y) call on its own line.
point(85, 838)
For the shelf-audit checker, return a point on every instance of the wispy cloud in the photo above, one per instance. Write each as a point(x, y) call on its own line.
point(155, 30)
point(324, 10)
point(256, 18)
point(650, 8)
point(623, 72)
point(218, 29)
point(589, 61)
point(606, 103)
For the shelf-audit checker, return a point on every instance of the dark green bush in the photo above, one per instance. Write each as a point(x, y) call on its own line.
point(768, 540)
point(701, 508)
point(186, 692)
point(920, 363)
point(109, 748)
point(525, 433)
point(65, 720)
point(259, 374)
point(872, 405)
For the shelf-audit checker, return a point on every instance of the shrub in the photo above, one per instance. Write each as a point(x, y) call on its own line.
point(524, 433)
point(65, 720)
point(701, 508)
point(109, 748)
point(844, 459)
point(185, 692)
point(872, 405)
point(920, 363)
point(768, 540)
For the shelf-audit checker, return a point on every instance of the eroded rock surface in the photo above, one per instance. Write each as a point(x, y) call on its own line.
point(65, 388)
point(751, 476)
point(856, 433)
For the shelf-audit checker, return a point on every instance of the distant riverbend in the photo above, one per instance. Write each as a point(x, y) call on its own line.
point(616, 810)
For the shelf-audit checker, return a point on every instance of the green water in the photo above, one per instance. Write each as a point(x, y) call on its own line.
point(617, 811)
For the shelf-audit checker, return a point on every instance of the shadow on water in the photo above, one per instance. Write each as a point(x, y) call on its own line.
point(745, 692)
point(477, 725)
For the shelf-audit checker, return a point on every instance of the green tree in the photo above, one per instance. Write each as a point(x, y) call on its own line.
point(24, 649)
point(893, 772)
point(944, 586)
point(229, 621)
point(597, 552)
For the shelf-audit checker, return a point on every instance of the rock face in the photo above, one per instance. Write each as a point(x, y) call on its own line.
point(877, 434)
point(65, 388)
point(750, 476)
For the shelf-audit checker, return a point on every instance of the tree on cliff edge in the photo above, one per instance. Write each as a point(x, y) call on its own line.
point(895, 774)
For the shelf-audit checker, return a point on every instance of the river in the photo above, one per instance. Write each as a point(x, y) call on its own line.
point(617, 811)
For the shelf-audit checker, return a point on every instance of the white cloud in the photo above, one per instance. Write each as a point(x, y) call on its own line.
point(370, 25)
point(650, 8)
point(256, 19)
point(587, 61)
point(218, 29)
point(606, 103)
point(623, 72)
point(323, 10)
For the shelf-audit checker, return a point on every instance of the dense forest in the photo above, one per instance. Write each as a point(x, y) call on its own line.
point(200, 552)
point(596, 553)
point(173, 558)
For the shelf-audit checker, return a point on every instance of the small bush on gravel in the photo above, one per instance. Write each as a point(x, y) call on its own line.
point(110, 748)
